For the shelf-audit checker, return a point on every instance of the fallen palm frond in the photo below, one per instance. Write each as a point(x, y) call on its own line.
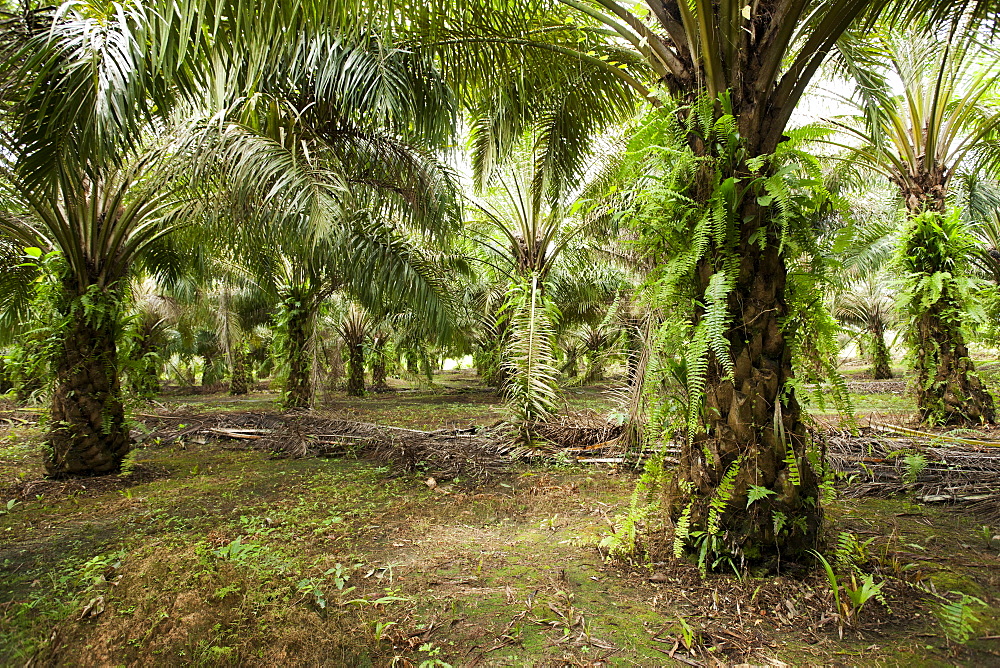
point(934, 468)
point(444, 454)
point(578, 429)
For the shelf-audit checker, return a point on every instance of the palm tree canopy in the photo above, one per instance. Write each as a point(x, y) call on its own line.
point(946, 109)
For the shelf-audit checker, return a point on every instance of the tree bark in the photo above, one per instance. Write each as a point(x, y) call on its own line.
point(948, 390)
point(753, 434)
point(298, 385)
point(595, 367)
point(572, 367)
point(89, 435)
point(242, 377)
point(148, 383)
point(379, 373)
point(881, 361)
point(210, 372)
point(355, 368)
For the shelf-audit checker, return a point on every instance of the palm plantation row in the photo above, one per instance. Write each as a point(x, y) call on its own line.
point(532, 183)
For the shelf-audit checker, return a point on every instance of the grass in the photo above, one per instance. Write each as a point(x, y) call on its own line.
point(208, 556)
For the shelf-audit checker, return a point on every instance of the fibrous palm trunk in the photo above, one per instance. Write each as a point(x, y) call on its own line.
point(89, 435)
point(148, 383)
point(595, 367)
point(242, 377)
point(210, 373)
point(298, 385)
point(948, 389)
point(571, 367)
point(355, 367)
point(145, 381)
point(753, 434)
point(881, 367)
point(378, 365)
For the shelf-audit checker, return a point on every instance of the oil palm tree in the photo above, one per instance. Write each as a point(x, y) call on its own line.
point(521, 239)
point(920, 139)
point(367, 259)
point(81, 87)
point(99, 223)
point(95, 82)
point(739, 70)
point(869, 307)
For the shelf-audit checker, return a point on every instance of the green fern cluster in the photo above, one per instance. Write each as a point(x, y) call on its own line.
point(682, 530)
point(792, 462)
point(789, 183)
point(812, 332)
point(956, 617)
point(709, 337)
point(723, 495)
point(937, 286)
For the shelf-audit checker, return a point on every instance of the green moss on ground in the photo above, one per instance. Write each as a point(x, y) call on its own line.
point(210, 556)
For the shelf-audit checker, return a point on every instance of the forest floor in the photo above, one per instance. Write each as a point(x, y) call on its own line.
point(205, 552)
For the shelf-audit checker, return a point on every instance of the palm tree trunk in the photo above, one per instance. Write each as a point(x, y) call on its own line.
point(753, 434)
point(572, 366)
point(881, 368)
point(378, 365)
point(148, 384)
point(948, 389)
point(298, 386)
point(89, 435)
point(209, 372)
point(242, 377)
point(145, 382)
point(595, 367)
point(355, 367)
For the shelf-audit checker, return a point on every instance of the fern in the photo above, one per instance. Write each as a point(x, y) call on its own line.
point(756, 493)
point(792, 462)
point(709, 337)
point(957, 618)
point(682, 530)
point(723, 495)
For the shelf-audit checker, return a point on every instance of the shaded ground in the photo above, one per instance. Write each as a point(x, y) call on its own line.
point(214, 556)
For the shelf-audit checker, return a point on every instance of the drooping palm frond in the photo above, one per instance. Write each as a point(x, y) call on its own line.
point(17, 278)
point(946, 113)
point(89, 79)
point(535, 68)
point(979, 199)
point(386, 272)
point(532, 389)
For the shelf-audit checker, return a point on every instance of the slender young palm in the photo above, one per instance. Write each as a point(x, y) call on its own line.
point(521, 239)
point(870, 308)
point(919, 140)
